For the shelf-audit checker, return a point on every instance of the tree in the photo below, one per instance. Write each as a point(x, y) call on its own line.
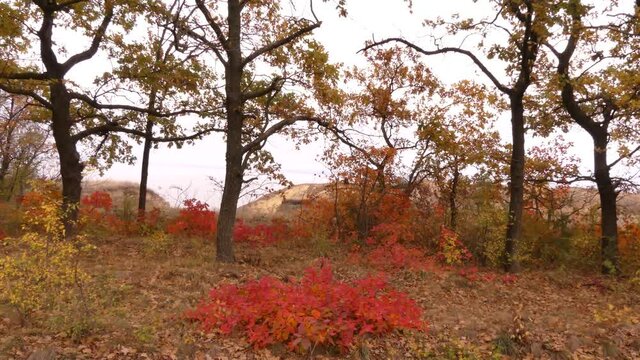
point(273, 72)
point(166, 75)
point(74, 115)
point(414, 129)
point(24, 144)
point(524, 27)
point(599, 91)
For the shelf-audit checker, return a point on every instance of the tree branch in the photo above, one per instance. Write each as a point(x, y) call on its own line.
point(96, 105)
point(95, 42)
point(274, 129)
point(213, 24)
point(31, 94)
point(114, 127)
point(276, 44)
point(467, 53)
point(276, 84)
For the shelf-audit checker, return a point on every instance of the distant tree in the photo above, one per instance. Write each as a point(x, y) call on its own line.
point(274, 76)
point(25, 144)
point(429, 131)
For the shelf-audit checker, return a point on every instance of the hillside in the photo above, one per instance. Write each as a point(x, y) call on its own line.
point(285, 203)
point(124, 194)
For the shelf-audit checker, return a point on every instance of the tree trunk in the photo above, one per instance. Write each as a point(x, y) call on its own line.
point(608, 207)
point(70, 165)
point(516, 186)
point(144, 172)
point(234, 108)
point(228, 207)
point(453, 194)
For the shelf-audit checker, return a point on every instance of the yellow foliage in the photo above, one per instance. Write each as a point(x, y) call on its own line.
point(41, 268)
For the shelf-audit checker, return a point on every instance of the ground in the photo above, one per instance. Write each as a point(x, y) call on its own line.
point(142, 296)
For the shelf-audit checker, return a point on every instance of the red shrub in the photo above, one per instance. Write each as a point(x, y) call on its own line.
point(316, 310)
point(195, 219)
point(98, 200)
point(261, 234)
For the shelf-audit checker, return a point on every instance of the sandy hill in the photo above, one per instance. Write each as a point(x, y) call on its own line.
point(124, 194)
point(282, 203)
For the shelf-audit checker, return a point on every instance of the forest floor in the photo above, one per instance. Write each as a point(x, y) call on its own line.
point(138, 310)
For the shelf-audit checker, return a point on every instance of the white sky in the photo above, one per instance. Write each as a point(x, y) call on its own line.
point(190, 167)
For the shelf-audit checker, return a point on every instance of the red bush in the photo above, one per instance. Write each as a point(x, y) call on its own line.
point(195, 219)
point(261, 234)
point(98, 200)
point(316, 310)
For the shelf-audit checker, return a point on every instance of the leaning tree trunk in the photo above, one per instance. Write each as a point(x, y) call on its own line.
point(70, 165)
point(144, 172)
point(608, 208)
point(516, 186)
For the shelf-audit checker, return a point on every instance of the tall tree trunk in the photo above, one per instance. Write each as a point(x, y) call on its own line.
point(516, 186)
point(144, 171)
point(234, 154)
point(70, 165)
point(608, 207)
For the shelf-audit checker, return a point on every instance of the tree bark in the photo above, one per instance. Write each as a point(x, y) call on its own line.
point(70, 165)
point(516, 186)
point(144, 171)
point(234, 154)
point(453, 195)
point(608, 207)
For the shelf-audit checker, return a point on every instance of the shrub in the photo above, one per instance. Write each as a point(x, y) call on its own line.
point(260, 234)
point(157, 243)
point(41, 269)
point(315, 310)
point(451, 251)
point(195, 220)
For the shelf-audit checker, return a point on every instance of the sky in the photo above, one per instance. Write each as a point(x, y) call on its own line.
point(185, 173)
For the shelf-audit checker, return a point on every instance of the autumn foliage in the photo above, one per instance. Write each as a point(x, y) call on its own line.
point(195, 220)
point(260, 234)
point(317, 310)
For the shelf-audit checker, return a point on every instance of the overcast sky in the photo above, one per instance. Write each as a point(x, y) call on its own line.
point(189, 168)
